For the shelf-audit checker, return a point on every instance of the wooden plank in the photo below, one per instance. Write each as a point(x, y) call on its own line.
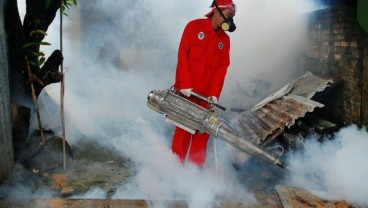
point(292, 197)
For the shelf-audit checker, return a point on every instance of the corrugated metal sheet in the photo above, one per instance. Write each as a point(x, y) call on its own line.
point(268, 118)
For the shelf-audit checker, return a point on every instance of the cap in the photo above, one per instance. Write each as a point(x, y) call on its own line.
point(222, 4)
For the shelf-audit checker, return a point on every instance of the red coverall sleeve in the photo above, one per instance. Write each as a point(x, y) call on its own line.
point(183, 75)
point(218, 79)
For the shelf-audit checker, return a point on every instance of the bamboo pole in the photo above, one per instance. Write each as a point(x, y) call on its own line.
point(62, 88)
point(35, 101)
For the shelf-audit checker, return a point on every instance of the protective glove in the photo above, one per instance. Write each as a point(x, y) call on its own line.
point(213, 99)
point(186, 92)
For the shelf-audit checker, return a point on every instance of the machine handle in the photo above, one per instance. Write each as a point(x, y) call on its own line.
point(201, 97)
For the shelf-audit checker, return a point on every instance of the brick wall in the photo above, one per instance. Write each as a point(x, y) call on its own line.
point(336, 49)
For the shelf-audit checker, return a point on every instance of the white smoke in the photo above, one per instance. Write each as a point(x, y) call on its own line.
point(105, 101)
point(161, 177)
point(270, 37)
point(131, 49)
point(335, 169)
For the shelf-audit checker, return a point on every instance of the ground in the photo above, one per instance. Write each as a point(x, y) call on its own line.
point(93, 166)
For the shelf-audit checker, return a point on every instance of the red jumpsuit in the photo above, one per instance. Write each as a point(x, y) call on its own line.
point(203, 59)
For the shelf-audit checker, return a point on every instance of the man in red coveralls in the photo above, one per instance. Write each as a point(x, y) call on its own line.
point(203, 59)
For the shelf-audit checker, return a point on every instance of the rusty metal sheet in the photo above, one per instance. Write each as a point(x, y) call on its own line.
point(281, 109)
point(309, 84)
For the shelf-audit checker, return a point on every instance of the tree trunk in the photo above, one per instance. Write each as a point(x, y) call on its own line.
point(14, 78)
point(37, 17)
point(20, 92)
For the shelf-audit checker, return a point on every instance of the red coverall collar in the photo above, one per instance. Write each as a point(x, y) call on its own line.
point(209, 27)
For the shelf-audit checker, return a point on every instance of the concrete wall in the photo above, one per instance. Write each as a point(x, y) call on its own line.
point(336, 49)
point(6, 145)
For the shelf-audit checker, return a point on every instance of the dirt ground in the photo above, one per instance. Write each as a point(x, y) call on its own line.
point(92, 166)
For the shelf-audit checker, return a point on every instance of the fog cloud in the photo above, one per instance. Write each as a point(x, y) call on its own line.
point(335, 169)
point(119, 51)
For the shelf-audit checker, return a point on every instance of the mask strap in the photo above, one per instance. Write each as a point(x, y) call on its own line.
point(218, 8)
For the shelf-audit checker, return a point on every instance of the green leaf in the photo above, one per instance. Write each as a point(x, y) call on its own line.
point(27, 45)
point(37, 54)
point(31, 53)
point(33, 63)
point(41, 61)
point(38, 31)
point(67, 4)
point(44, 43)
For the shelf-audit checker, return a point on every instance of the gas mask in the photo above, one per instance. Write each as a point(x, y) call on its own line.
point(228, 24)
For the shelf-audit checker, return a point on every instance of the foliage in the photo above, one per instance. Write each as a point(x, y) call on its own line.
point(65, 4)
point(40, 56)
point(28, 48)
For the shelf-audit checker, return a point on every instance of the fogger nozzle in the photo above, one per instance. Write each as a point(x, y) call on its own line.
point(194, 118)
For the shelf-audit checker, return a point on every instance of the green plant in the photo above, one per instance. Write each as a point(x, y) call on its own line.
point(38, 55)
point(28, 48)
point(65, 4)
